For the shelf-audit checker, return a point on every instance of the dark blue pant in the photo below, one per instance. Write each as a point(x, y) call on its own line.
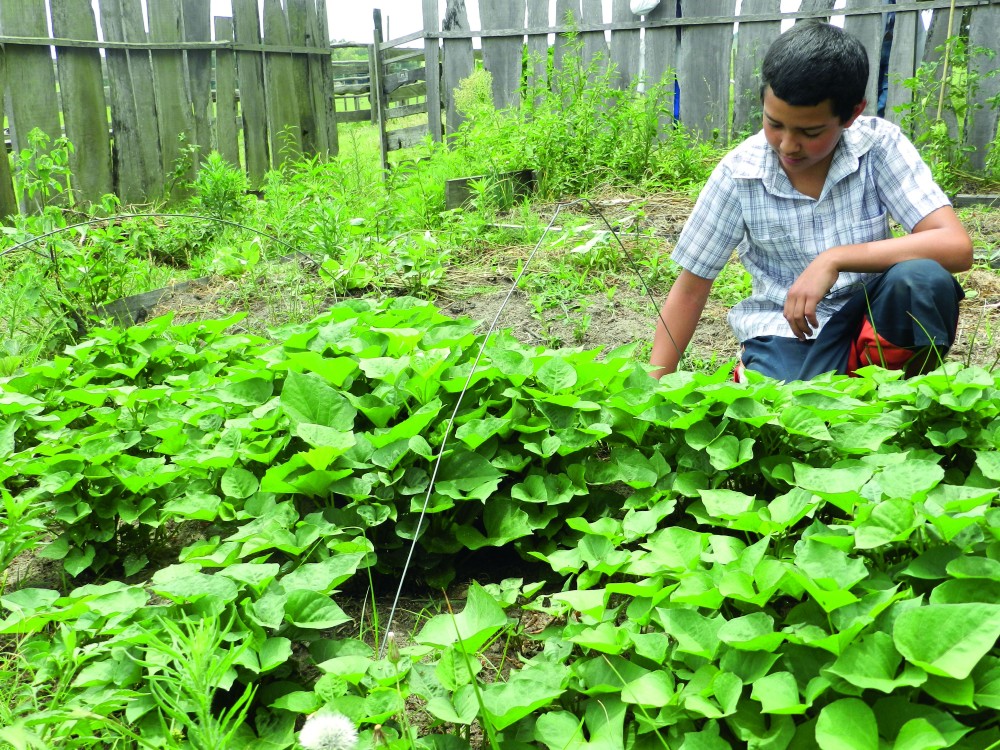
point(912, 306)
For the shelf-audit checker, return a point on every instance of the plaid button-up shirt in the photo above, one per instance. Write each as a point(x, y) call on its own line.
point(749, 205)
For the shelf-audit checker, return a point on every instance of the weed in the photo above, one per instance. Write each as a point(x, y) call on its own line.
point(572, 151)
point(187, 663)
point(41, 171)
point(220, 189)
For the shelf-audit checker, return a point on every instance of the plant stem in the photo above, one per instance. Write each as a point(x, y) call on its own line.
point(947, 57)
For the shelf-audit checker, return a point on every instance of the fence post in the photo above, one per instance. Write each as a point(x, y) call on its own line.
point(372, 78)
point(432, 67)
point(376, 91)
point(8, 202)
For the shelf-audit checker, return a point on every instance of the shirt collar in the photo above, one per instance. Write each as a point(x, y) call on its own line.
point(757, 161)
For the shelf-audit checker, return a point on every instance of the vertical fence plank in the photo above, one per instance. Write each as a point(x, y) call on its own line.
point(8, 202)
point(324, 80)
point(458, 62)
point(136, 151)
point(198, 28)
point(432, 66)
point(226, 129)
point(703, 69)
point(85, 108)
point(903, 62)
point(752, 42)
point(817, 5)
point(319, 85)
point(538, 44)
point(624, 46)
point(34, 100)
point(937, 34)
point(377, 91)
point(661, 56)
point(173, 99)
point(935, 40)
point(279, 92)
point(250, 75)
point(567, 12)
point(502, 55)
point(869, 29)
point(595, 47)
point(298, 36)
point(983, 27)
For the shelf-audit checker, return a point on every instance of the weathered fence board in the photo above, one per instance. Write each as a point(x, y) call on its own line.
point(594, 48)
point(322, 82)
point(432, 62)
point(538, 45)
point(226, 127)
point(903, 61)
point(280, 95)
point(813, 5)
point(31, 68)
point(377, 95)
point(198, 28)
point(567, 13)
point(661, 55)
point(8, 202)
point(136, 150)
point(983, 29)
point(943, 24)
point(703, 69)
point(298, 37)
point(250, 75)
point(870, 30)
point(502, 55)
point(457, 62)
point(625, 47)
point(752, 42)
point(175, 117)
point(84, 106)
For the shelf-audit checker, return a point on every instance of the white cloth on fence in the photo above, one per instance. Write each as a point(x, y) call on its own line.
point(642, 7)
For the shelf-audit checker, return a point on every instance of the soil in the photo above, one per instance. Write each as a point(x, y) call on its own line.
point(478, 290)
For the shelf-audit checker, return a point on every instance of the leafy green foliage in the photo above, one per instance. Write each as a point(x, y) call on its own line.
point(942, 108)
point(556, 133)
point(756, 564)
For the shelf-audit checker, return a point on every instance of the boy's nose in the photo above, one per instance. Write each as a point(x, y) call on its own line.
point(789, 145)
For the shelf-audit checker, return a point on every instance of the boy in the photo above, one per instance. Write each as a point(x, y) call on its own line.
point(805, 203)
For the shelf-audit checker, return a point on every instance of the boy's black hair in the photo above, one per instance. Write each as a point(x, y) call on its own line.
point(813, 62)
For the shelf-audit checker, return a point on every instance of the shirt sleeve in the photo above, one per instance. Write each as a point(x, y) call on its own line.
point(714, 228)
point(904, 182)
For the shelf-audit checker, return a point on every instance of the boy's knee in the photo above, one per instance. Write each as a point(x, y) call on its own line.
point(919, 274)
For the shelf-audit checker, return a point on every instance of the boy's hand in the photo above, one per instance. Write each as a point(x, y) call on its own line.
point(809, 288)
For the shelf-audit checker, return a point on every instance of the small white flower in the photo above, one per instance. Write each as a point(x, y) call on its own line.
point(326, 730)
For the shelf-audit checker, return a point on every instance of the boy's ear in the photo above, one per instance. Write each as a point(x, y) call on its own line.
point(858, 109)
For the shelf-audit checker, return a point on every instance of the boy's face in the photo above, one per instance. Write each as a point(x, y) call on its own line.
point(803, 137)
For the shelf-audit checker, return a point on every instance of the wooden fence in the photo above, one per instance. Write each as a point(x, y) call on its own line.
point(260, 87)
point(695, 45)
point(256, 86)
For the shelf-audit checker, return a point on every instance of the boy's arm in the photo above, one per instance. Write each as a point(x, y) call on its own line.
point(681, 311)
point(938, 236)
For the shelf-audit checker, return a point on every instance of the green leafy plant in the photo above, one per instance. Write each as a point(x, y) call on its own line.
point(735, 563)
point(187, 663)
point(953, 80)
point(41, 171)
point(220, 189)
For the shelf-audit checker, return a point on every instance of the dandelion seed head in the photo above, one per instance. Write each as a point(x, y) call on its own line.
point(326, 730)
